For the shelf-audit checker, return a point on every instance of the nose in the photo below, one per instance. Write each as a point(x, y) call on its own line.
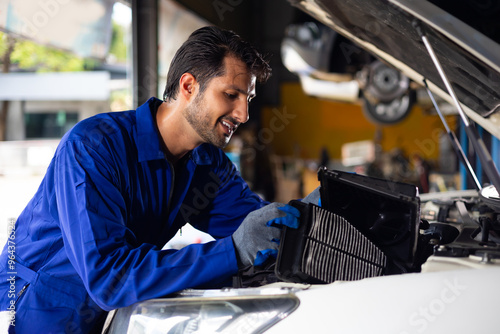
point(240, 112)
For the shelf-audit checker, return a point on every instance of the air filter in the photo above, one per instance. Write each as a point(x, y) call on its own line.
point(335, 250)
point(326, 248)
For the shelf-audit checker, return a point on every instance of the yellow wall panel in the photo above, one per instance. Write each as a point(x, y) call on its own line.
point(302, 125)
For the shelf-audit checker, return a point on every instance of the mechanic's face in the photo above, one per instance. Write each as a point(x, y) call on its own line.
point(223, 106)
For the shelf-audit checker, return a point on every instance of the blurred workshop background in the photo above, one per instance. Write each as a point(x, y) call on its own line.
point(63, 61)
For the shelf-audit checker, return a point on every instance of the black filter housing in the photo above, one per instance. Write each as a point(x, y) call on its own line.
point(381, 215)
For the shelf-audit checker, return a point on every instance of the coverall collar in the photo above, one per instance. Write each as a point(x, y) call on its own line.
point(148, 138)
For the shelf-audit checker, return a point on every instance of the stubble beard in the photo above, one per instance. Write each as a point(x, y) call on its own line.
point(198, 116)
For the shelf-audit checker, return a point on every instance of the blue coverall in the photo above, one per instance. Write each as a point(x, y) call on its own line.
point(91, 238)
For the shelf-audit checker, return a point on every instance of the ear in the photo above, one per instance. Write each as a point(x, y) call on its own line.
point(187, 85)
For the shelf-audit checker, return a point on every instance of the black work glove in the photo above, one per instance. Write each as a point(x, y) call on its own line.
point(258, 236)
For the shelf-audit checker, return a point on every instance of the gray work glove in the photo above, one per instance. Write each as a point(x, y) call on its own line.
point(314, 197)
point(258, 236)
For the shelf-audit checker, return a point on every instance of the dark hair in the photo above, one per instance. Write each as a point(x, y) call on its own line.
point(203, 53)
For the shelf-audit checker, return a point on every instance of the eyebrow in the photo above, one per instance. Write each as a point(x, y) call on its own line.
point(236, 88)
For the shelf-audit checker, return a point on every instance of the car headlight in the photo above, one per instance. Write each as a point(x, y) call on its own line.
point(241, 314)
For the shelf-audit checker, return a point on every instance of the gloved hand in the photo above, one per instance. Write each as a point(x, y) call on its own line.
point(314, 197)
point(258, 236)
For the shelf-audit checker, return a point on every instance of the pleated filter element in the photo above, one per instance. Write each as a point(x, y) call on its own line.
point(335, 250)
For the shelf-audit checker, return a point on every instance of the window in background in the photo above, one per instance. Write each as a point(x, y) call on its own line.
point(49, 124)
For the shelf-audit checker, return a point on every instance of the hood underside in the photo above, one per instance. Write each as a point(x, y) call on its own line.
point(469, 51)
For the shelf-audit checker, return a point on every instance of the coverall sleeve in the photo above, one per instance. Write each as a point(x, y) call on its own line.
point(115, 268)
point(234, 201)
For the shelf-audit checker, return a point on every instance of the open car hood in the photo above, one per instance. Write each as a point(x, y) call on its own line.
point(464, 35)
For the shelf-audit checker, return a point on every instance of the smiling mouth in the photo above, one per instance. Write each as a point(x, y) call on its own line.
point(228, 127)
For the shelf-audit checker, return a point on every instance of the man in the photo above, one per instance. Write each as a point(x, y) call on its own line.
point(120, 186)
